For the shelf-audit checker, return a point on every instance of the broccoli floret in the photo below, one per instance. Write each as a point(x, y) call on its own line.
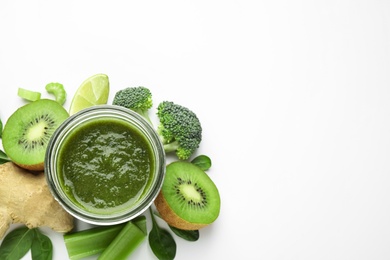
point(138, 99)
point(179, 129)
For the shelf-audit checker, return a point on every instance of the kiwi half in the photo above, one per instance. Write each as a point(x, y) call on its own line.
point(188, 199)
point(28, 131)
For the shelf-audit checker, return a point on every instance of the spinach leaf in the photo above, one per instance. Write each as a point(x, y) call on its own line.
point(161, 241)
point(41, 248)
point(202, 161)
point(3, 157)
point(189, 235)
point(16, 243)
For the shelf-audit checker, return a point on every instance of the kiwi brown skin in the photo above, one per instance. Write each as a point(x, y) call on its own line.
point(170, 216)
point(34, 167)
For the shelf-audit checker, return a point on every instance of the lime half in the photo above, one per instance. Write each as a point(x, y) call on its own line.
point(93, 91)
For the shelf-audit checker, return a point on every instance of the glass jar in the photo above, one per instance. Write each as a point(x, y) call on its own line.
point(65, 192)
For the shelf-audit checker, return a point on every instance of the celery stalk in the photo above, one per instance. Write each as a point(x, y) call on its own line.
point(90, 242)
point(132, 234)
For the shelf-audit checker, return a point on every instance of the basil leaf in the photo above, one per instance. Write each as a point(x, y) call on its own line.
point(202, 161)
point(189, 235)
point(3, 157)
point(16, 243)
point(42, 248)
point(161, 242)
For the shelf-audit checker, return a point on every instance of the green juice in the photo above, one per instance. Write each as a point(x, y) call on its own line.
point(105, 165)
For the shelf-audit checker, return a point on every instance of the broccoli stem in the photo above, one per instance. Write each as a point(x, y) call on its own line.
point(144, 114)
point(171, 147)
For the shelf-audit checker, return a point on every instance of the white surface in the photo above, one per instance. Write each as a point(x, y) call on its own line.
point(293, 97)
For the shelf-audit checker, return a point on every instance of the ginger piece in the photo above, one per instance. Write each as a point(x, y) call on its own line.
point(26, 198)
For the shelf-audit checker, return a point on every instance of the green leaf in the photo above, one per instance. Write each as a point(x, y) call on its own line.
point(189, 235)
point(16, 243)
point(161, 241)
point(202, 161)
point(1, 128)
point(3, 157)
point(42, 248)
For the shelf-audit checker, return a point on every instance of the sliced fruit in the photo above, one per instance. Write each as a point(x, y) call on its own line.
point(28, 94)
point(188, 199)
point(93, 91)
point(28, 131)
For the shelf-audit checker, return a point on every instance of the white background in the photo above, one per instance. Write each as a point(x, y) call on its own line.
point(293, 97)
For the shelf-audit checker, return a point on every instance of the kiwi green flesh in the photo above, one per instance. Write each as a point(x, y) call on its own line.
point(28, 130)
point(190, 193)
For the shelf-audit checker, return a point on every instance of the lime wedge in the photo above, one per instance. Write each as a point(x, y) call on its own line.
point(93, 91)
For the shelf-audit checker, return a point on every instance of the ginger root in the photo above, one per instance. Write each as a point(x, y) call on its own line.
point(26, 198)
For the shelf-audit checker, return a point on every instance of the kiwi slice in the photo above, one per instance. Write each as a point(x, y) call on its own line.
point(188, 199)
point(28, 130)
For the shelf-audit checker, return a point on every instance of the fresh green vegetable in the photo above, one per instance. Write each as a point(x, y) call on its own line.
point(180, 129)
point(19, 241)
point(161, 241)
point(42, 247)
point(3, 157)
point(133, 233)
point(91, 241)
point(202, 161)
point(57, 89)
point(28, 94)
point(16, 243)
point(113, 242)
point(138, 99)
point(189, 235)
